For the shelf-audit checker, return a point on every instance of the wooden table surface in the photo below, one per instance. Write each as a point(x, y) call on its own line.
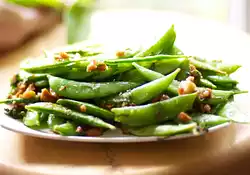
point(226, 151)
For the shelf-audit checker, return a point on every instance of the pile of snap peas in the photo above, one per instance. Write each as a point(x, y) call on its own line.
point(157, 90)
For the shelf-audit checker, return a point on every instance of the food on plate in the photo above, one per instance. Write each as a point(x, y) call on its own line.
point(85, 90)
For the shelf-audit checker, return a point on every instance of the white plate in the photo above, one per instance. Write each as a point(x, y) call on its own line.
point(194, 36)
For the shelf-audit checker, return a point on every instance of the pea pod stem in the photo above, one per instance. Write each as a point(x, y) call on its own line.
point(66, 113)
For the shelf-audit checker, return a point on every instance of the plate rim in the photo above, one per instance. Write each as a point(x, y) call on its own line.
point(105, 139)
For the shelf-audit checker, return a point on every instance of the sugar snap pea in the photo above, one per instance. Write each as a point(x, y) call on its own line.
point(147, 91)
point(176, 51)
point(66, 113)
point(26, 76)
point(54, 120)
point(162, 46)
point(163, 130)
point(208, 120)
point(206, 83)
point(154, 113)
point(82, 90)
point(88, 108)
point(32, 118)
point(221, 79)
point(66, 129)
point(204, 66)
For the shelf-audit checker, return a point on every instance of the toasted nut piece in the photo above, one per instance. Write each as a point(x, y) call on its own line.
point(190, 78)
point(184, 117)
point(92, 66)
point(64, 55)
point(120, 53)
point(186, 87)
point(46, 96)
point(206, 108)
point(102, 67)
point(28, 94)
point(83, 108)
point(94, 132)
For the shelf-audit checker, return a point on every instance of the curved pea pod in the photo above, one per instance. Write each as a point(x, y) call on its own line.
point(224, 67)
point(163, 130)
point(66, 129)
point(82, 90)
point(221, 80)
point(208, 120)
point(152, 75)
point(176, 51)
point(231, 112)
point(206, 83)
point(149, 74)
point(32, 118)
point(205, 66)
point(19, 100)
point(152, 89)
point(90, 108)
point(163, 45)
point(66, 113)
point(54, 120)
point(154, 113)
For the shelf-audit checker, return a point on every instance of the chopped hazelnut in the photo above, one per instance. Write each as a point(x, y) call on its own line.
point(83, 108)
point(64, 55)
point(28, 94)
point(79, 129)
point(184, 117)
point(120, 53)
point(102, 67)
point(186, 87)
point(92, 66)
point(46, 96)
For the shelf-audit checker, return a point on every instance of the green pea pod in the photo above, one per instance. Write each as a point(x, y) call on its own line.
point(204, 66)
point(16, 113)
point(163, 130)
point(81, 90)
point(90, 108)
point(208, 120)
point(206, 83)
point(224, 67)
point(66, 113)
point(42, 83)
point(162, 46)
point(32, 118)
point(176, 51)
point(54, 120)
point(26, 76)
point(154, 113)
point(66, 129)
point(152, 89)
point(221, 79)
point(231, 111)
point(151, 75)
point(43, 117)
point(150, 59)
point(19, 100)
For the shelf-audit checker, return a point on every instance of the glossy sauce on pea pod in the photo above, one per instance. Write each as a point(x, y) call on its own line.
point(154, 113)
point(82, 90)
